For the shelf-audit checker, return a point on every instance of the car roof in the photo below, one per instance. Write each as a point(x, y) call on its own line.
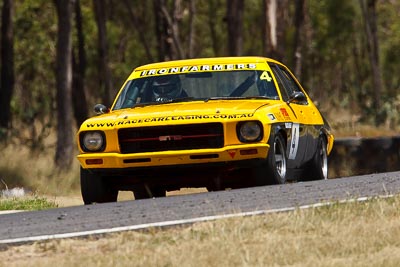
point(212, 60)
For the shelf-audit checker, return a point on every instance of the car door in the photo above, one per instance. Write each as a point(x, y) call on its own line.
point(298, 134)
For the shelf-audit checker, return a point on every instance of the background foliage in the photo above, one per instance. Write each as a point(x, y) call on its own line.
point(336, 71)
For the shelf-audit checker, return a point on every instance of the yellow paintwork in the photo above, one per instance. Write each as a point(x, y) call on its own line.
point(225, 111)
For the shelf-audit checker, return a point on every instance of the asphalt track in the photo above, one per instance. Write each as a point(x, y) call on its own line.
point(175, 210)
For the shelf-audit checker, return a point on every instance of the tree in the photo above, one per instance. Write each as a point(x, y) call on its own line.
point(298, 39)
point(169, 44)
point(212, 23)
point(7, 63)
point(161, 31)
point(63, 158)
point(234, 20)
point(368, 8)
point(104, 69)
point(135, 19)
point(192, 31)
point(79, 69)
point(172, 42)
point(274, 28)
point(173, 25)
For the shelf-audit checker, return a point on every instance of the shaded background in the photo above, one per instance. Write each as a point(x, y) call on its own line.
point(59, 58)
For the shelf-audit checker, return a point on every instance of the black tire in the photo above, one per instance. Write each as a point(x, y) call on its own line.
point(274, 169)
point(318, 167)
point(95, 189)
point(140, 193)
point(159, 192)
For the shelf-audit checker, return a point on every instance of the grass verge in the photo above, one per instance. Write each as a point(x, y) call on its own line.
point(26, 203)
point(351, 234)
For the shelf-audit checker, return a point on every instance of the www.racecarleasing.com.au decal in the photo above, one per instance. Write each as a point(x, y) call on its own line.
point(170, 118)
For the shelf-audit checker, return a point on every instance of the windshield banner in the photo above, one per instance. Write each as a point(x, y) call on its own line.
point(197, 68)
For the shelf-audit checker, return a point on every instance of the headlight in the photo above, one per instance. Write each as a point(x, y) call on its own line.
point(249, 131)
point(92, 141)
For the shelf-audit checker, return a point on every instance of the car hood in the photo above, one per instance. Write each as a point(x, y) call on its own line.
point(177, 113)
point(212, 106)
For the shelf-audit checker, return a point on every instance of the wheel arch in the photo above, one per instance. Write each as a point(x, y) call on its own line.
point(327, 135)
point(279, 130)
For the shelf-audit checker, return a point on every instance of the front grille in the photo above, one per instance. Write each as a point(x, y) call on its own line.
point(173, 137)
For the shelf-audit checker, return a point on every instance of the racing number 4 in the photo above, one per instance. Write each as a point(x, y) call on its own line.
point(294, 143)
point(266, 76)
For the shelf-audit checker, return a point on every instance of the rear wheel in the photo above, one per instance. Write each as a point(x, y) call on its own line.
point(95, 189)
point(318, 168)
point(274, 170)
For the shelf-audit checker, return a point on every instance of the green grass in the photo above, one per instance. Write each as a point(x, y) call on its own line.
point(26, 203)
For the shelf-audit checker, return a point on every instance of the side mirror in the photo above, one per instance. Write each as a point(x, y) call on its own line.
point(100, 109)
point(297, 97)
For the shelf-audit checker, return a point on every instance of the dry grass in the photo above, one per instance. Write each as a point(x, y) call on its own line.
point(36, 172)
point(355, 234)
point(343, 130)
point(346, 123)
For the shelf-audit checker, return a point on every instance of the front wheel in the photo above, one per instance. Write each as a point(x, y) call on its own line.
point(274, 169)
point(95, 189)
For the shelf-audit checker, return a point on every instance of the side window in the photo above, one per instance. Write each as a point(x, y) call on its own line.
point(293, 87)
point(289, 85)
point(280, 80)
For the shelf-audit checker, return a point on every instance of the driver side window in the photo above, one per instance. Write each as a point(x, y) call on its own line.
point(286, 82)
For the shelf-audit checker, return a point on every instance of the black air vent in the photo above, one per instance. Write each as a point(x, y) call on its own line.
point(172, 137)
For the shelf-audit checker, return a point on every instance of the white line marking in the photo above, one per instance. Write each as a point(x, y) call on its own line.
point(10, 211)
point(178, 222)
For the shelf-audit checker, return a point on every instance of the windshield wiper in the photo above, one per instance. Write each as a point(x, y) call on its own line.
point(181, 99)
point(184, 99)
point(147, 104)
point(240, 98)
point(223, 98)
point(262, 97)
point(177, 100)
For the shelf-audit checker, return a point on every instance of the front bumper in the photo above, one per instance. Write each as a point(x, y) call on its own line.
point(167, 158)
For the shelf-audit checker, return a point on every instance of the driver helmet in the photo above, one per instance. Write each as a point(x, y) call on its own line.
point(167, 87)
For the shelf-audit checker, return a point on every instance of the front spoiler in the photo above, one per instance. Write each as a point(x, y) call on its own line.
point(169, 158)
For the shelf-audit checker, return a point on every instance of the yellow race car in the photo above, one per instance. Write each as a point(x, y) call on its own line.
point(218, 123)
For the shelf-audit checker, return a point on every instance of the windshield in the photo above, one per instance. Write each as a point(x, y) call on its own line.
point(201, 86)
